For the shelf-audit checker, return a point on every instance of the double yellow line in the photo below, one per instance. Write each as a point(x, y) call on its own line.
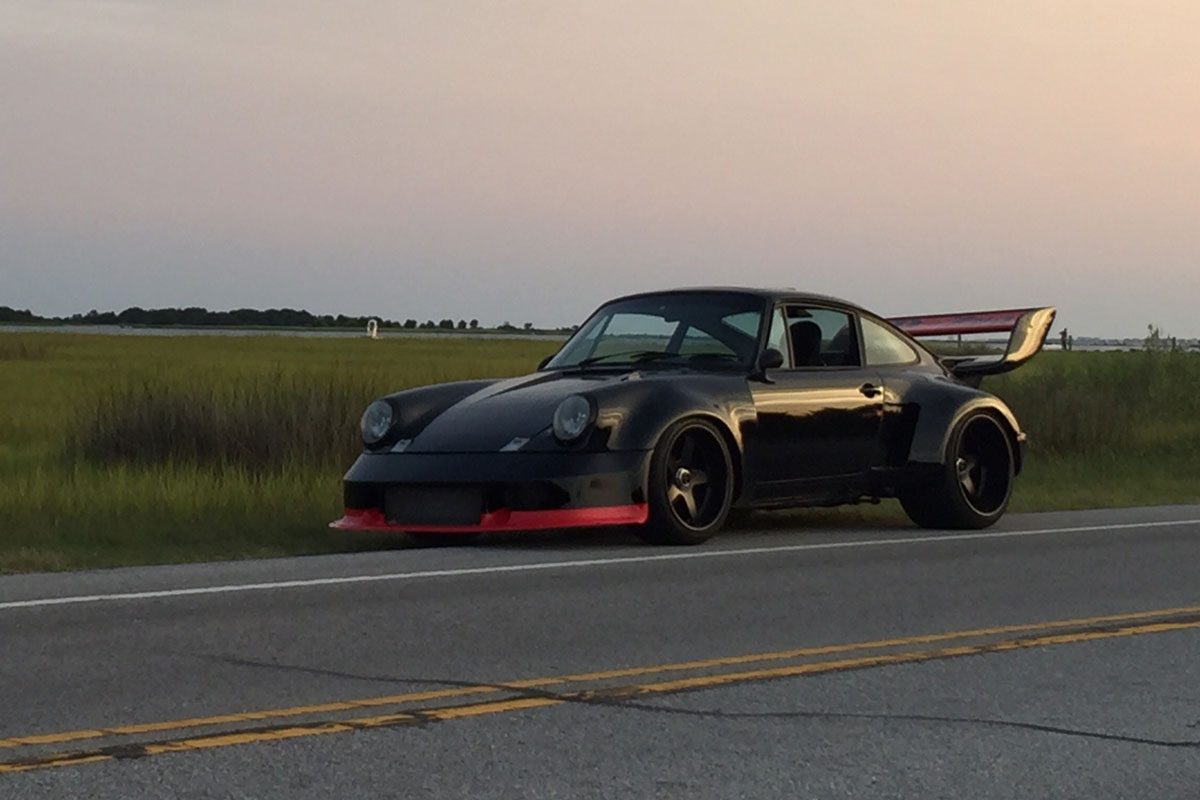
point(544, 692)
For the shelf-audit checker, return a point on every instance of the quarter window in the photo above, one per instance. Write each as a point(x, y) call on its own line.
point(884, 348)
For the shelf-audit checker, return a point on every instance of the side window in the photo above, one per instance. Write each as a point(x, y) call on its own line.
point(822, 337)
point(885, 348)
point(778, 338)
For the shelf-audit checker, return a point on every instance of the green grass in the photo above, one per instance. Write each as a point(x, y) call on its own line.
point(131, 449)
point(1107, 429)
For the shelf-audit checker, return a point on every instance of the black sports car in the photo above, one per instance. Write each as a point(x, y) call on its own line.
point(666, 410)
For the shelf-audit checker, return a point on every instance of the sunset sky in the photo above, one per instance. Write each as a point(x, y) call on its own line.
point(524, 161)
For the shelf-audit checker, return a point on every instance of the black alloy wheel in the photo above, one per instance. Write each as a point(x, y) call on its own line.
point(983, 466)
point(972, 488)
point(691, 484)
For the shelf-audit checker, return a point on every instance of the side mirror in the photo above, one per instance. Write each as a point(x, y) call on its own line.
point(769, 359)
point(542, 364)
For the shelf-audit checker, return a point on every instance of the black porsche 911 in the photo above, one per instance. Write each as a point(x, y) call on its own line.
point(666, 410)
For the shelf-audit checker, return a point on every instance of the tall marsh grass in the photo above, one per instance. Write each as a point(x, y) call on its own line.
point(23, 347)
point(270, 422)
point(1106, 405)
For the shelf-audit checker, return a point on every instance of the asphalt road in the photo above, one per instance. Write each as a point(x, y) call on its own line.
point(1055, 655)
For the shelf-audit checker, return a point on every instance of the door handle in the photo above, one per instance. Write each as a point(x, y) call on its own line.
point(870, 390)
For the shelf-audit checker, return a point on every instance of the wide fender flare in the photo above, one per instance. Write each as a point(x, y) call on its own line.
point(941, 413)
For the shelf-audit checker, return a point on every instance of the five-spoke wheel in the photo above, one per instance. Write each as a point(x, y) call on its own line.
point(971, 489)
point(690, 485)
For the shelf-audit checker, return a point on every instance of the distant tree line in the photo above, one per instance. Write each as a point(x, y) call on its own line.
point(18, 315)
point(196, 317)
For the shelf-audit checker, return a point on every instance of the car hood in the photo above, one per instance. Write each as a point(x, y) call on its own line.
point(518, 408)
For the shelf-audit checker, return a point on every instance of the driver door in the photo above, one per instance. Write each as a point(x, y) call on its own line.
point(820, 414)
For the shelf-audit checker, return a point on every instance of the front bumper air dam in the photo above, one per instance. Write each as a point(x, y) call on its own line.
point(597, 489)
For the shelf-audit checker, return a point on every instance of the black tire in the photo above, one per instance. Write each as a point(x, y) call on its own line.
point(972, 488)
point(441, 539)
point(690, 484)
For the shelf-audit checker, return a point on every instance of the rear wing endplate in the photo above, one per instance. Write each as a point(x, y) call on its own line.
point(1027, 329)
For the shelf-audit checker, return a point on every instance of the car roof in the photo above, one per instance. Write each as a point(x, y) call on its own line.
point(766, 294)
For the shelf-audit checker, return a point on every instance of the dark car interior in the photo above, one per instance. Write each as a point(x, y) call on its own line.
point(822, 337)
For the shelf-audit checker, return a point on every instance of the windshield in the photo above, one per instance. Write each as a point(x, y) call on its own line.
point(705, 328)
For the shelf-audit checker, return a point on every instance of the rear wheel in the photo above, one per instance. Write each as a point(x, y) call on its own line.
point(690, 484)
point(972, 488)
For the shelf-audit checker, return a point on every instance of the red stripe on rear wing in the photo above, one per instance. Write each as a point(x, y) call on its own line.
point(972, 322)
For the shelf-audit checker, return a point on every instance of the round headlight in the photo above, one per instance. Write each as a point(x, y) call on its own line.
point(376, 421)
point(572, 418)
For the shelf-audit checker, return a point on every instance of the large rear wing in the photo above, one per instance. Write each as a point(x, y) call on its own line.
point(1027, 329)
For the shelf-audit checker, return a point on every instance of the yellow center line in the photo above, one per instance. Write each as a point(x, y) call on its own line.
point(248, 716)
point(537, 683)
point(613, 696)
point(710, 681)
point(58, 761)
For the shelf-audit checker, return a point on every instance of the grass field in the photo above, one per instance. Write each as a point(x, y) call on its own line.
point(129, 449)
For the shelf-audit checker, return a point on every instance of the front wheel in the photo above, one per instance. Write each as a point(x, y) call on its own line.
point(972, 488)
point(690, 484)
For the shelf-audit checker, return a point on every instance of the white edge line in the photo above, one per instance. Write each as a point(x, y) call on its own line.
point(590, 562)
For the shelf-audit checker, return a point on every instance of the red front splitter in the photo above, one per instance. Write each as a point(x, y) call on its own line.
point(504, 519)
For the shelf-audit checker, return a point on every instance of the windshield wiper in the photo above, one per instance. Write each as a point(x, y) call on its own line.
point(634, 356)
